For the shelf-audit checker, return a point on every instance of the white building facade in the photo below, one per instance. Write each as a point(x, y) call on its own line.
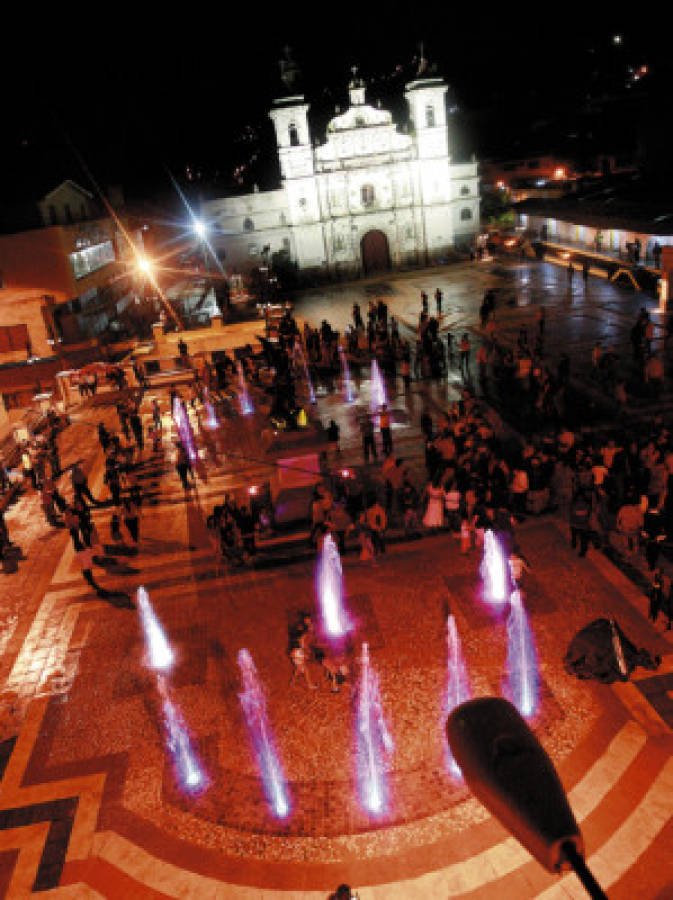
point(370, 198)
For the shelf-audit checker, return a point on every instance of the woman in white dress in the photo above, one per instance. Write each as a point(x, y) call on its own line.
point(434, 513)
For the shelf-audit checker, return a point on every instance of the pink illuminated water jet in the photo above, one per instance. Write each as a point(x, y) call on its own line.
point(243, 395)
point(253, 702)
point(187, 766)
point(522, 685)
point(374, 743)
point(329, 588)
point(458, 688)
point(378, 396)
point(349, 393)
point(159, 653)
point(184, 429)
point(494, 570)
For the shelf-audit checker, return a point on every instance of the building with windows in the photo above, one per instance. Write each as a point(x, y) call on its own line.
point(63, 283)
point(369, 198)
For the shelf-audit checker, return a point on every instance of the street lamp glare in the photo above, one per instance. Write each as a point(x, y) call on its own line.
point(199, 228)
point(144, 265)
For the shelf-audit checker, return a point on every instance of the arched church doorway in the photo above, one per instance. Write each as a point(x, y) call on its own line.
point(375, 253)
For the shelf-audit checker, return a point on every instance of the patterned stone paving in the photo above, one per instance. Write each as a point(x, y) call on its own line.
point(89, 804)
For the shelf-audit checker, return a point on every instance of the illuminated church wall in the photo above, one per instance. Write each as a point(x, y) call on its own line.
point(366, 176)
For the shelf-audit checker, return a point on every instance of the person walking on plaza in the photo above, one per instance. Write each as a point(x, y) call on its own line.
point(184, 466)
point(28, 466)
point(368, 441)
point(376, 521)
point(438, 301)
point(580, 517)
point(386, 433)
point(130, 514)
point(84, 558)
point(653, 531)
point(465, 356)
point(137, 429)
point(80, 484)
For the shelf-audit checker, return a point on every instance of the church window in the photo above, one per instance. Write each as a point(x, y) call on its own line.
point(429, 116)
point(302, 202)
point(283, 219)
point(252, 249)
point(338, 243)
point(465, 215)
point(286, 244)
point(359, 122)
point(367, 195)
point(248, 225)
point(465, 191)
point(294, 135)
point(409, 232)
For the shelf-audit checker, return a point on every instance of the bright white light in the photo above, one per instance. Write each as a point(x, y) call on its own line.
point(494, 570)
point(159, 652)
point(199, 228)
point(144, 265)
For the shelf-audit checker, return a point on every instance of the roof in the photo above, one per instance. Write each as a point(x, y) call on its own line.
point(630, 207)
point(70, 183)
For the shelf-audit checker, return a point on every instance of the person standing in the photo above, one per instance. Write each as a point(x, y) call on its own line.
point(438, 301)
point(137, 428)
point(27, 465)
point(386, 433)
point(465, 355)
point(131, 518)
point(183, 466)
point(375, 521)
point(368, 441)
point(580, 517)
point(80, 484)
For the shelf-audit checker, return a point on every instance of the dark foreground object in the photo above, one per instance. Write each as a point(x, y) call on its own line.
point(506, 769)
point(594, 652)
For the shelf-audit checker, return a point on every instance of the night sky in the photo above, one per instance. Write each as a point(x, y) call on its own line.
point(190, 90)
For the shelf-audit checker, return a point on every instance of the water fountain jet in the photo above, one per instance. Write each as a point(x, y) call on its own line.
point(329, 588)
point(349, 393)
point(494, 570)
point(458, 689)
point(378, 396)
point(253, 702)
point(159, 653)
point(374, 740)
point(522, 671)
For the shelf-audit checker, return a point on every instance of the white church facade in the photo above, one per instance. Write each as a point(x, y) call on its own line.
point(368, 199)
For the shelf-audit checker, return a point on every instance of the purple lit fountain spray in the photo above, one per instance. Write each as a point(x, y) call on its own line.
point(374, 743)
point(307, 375)
point(211, 417)
point(159, 657)
point(243, 395)
point(522, 686)
point(254, 709)
point(458, 688)
point(378, 396)
point(494, 570)
point(329, 588)
point(185, 760)
point(349, 393)
point(185, 431)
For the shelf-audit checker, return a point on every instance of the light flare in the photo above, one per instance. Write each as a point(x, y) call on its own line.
point(253, 702)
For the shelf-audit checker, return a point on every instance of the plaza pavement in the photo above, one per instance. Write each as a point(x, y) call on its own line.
point(89, 803)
